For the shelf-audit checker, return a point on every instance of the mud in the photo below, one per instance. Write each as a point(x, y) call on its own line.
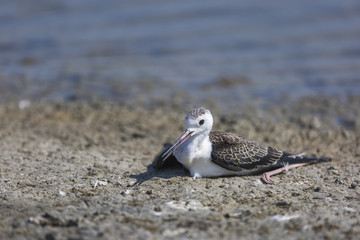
point(83, 171)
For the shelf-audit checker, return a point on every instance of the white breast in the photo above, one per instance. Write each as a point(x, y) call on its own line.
point(195, 155)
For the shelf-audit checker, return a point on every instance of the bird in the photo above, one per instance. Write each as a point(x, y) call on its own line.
point(207, 153)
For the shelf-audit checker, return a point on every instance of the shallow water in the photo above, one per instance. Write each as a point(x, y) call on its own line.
point(126, 50)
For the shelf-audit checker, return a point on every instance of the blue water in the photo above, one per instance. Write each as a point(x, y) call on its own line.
point(125, 50)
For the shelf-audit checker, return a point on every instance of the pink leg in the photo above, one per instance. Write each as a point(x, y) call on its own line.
point(266, 176)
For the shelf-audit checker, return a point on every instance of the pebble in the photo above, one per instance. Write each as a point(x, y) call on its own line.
point(352, 186)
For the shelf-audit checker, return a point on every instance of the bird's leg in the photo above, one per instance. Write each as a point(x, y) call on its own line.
point(266, 176)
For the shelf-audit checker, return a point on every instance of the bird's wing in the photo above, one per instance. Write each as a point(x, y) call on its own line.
point(237, 153)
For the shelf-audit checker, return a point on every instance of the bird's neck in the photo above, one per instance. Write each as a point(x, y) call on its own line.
point(198, 140)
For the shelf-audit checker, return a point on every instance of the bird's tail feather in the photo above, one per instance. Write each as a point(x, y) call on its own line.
point(293, 158)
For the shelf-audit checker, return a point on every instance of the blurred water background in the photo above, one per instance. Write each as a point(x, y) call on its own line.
point(148, 51)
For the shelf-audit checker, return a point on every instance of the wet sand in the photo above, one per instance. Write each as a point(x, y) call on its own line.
point(82, 171)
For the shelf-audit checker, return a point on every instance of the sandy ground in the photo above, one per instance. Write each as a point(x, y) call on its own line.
point(76, 171)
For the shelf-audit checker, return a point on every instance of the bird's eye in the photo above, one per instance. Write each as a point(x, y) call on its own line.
point(201, 122)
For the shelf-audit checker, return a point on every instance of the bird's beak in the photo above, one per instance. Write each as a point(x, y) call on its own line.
point(185, 136)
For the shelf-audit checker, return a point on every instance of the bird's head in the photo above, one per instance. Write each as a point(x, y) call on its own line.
point(198, 121)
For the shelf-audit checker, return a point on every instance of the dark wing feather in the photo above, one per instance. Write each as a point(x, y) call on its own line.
point(237, 153)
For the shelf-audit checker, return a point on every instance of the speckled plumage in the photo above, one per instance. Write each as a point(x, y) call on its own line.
point(196, 112)
point(238, 153)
